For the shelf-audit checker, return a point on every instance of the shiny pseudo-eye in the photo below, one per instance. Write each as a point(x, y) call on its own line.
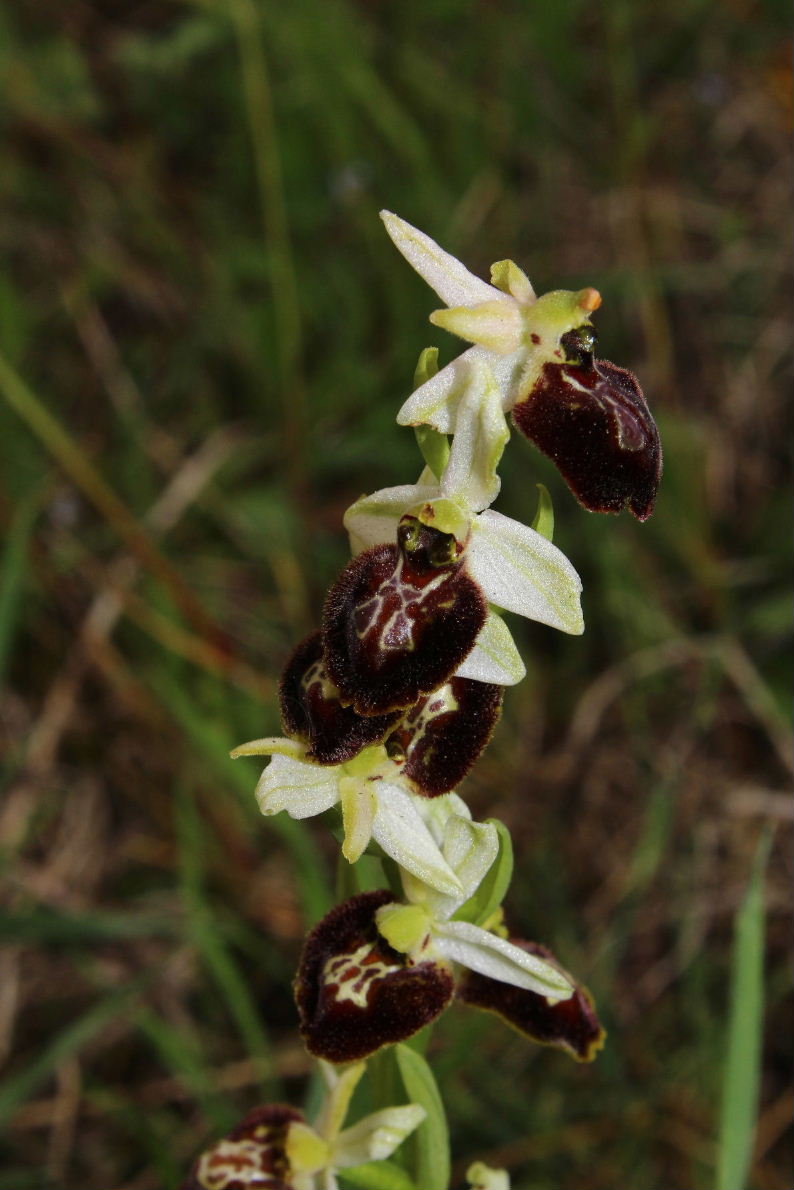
point(579, 346)
point(312, 710)
point(590, 417)
point(425, 548)
point(400, 619)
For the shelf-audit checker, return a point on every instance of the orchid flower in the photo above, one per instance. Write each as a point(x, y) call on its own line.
point(588, 415)
point(513, 331)
point(276, 1142)
point(374, 971)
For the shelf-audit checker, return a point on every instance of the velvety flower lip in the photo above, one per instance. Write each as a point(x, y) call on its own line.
point(593, 421)
point(400, 619)
point(439, 740)
point(355, 994)
point(375, 804)
point(312, 710)
point(275, 1148)
point(571, 1025)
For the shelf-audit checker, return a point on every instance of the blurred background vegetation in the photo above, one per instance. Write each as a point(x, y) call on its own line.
point(204, 338)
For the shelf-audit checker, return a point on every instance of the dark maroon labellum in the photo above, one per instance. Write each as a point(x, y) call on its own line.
point(441, 738)
point(312, 711)
point(400, 619)
point(590, 417)
point(572, 1024)
point(250, 1157)
point(354, 993)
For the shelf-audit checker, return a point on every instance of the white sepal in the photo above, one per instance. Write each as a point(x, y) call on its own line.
point(470, 849)
point(372, 520)
point(521, 571)
point(377, 1136)
point(451, 280)
point(399, 829)
point(435, 403)
point(301, 789)
point(494, 657)
point(490, 955)
point(481, 434)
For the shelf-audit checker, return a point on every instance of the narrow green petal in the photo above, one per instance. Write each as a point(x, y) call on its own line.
point(359, 805)
point(495, 325)
point(507, 276)
point(544, 517)
point(270, 746)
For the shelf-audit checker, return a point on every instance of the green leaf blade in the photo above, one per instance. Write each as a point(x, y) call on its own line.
point(745, 1034)
point(378, 1175)
point(432, 1136)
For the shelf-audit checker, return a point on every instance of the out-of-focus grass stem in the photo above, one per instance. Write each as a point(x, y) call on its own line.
point(286, 300)
point(742, 1077)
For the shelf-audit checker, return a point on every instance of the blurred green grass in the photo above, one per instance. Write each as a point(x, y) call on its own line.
point(198, 290)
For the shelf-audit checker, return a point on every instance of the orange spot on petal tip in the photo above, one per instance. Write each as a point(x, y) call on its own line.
point(589, 299)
